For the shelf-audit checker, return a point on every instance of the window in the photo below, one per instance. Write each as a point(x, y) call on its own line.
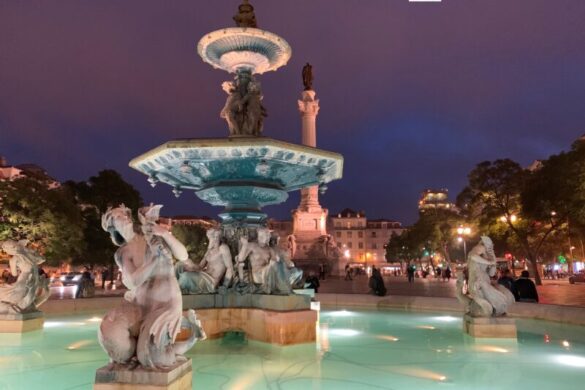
point(373, 234)
point(360, 245)
point(374, 245)
point(349, 245)
point(337, 224)
point(338, 234)
point(360, 234)
point(339, 244)
point(349, 234)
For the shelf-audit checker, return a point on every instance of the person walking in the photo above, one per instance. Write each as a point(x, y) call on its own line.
point(348, 272)
point(447, 274)
point(105, 275)
point(410, 271)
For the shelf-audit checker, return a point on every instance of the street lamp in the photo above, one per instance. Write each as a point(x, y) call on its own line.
point(463, 231)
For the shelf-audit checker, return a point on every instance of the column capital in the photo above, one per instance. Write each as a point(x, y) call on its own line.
point(308, 105)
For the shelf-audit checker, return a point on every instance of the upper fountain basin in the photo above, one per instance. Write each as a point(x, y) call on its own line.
point(236, 48)
point(201, 164)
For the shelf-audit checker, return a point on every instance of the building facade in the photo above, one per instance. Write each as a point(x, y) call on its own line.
point(363, 241)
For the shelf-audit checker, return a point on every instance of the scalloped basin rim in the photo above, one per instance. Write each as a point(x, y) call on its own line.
point(189, 143)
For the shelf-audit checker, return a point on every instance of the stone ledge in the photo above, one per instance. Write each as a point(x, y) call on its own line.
point(251, 301)
point(177, 377)
point(490, 327)
point(21, 323)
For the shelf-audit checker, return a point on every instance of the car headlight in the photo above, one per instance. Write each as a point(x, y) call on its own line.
point(77, 277)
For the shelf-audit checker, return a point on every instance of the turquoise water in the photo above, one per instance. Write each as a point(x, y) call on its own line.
point(355, 350)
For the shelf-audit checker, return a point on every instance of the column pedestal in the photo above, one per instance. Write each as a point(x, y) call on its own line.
point(177, 377)
point(21, 323)
point(490, 327)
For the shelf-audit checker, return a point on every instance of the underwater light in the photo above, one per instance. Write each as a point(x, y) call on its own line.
point(571, 360)
point(343, 332)
point(446, 318)
point(342, 313)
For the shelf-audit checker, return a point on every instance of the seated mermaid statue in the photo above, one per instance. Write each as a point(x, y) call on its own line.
point(143, 329)
point(483, 297)
point(268, 269)
point(30, 290)
point(215, 268)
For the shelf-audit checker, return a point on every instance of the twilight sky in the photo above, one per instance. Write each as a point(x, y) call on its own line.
point(413, 95)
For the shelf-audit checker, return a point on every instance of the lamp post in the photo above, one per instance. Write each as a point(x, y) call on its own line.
point(463, 231)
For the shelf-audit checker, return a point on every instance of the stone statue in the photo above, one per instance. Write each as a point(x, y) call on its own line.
point(215, 268)
point(30, 290)
point(292, 274)
point(308, 77)
point(292, 245)
point(245, 16)
point(482, 297)
point(243, 109)
point(266, 266)
point(143, 329)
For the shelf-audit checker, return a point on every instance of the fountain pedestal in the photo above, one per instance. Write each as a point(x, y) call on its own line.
point(177, 377)
point(21, 323)
point(490, 327)
point(274, 319)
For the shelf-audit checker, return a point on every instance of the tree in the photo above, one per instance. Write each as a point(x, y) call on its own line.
point(49, 218)
point(194, 237)
point(107, 189)
point(495, 201)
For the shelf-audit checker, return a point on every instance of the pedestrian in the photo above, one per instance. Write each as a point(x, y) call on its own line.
point(376, 283)
point(447, 274)
point(526, 289)
point(312, 282)
point(508, 281)
point(410, 271)
point(348, 272)
point(322, 271)
point(105, 275)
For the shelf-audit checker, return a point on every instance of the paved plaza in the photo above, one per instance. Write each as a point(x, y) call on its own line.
point(558, 292)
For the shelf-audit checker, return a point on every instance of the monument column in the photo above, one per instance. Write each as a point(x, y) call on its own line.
point(309, 108)
point(309, 219)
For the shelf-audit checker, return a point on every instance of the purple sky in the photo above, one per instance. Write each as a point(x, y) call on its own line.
point(413, 95)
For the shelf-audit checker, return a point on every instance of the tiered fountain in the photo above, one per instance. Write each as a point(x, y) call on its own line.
point(244, 172)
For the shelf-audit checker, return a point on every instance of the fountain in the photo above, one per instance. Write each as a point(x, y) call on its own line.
point(245, 281)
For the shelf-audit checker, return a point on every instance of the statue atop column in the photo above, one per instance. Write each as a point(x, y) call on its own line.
point(483, 298)
point(308, 77)
point(245, 16)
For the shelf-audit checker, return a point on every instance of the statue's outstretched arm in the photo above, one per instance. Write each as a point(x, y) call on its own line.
point(226, 257)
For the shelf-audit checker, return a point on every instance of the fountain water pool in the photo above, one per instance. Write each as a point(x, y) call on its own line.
point(356, 349)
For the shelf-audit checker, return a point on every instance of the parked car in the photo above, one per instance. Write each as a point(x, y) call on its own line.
point(577, 278)
point(70, 278)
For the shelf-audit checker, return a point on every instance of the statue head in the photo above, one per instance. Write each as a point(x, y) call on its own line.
point(118, 222)
point(489, 247)
point(213, 236)
point(10, 247)
point(263, 236)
